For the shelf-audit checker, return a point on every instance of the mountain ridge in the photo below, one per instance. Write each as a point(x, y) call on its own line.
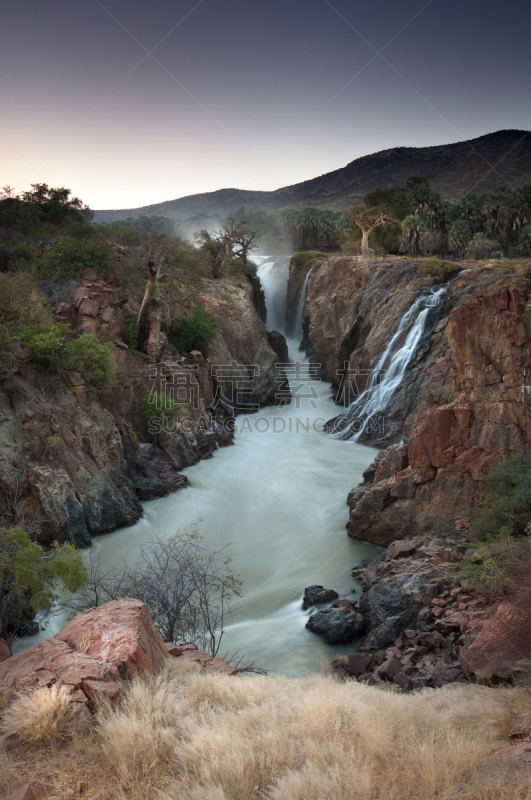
point(474, 165)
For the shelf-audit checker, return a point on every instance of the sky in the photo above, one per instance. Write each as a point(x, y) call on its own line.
point(130, 102)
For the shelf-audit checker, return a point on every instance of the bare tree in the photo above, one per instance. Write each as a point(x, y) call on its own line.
point(234, 239)
point(188, 589)
point(367, 219)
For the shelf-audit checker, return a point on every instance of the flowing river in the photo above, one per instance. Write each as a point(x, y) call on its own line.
point(278, 498)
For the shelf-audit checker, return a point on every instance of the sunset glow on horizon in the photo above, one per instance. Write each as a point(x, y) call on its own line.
point(130, 103)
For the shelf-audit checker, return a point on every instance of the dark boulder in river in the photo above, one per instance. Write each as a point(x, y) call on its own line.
point(337, 625)
point(317, 594)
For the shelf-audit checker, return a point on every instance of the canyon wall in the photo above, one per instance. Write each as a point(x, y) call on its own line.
point(353, 307)
point(429, 482)
point(75, 462)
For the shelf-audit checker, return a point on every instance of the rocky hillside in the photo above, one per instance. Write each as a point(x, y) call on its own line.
point(501, 158)
point(75, 462)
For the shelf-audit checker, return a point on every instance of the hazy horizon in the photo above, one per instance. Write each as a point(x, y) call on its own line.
point(130, 105)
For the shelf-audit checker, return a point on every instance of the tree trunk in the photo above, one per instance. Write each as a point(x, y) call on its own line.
point(149, 317)
point(364, 241)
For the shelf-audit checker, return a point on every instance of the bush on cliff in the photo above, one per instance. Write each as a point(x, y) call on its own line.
point(194, 332)
point(30, 575)
point(71, 257)
point(502, 528)
point(91, 358)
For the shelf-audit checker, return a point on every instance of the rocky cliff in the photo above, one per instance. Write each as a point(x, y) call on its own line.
point(75, 462)
point(354, 306)
point(430, 481)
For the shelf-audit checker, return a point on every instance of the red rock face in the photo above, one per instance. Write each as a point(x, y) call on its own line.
point(121, 643)
point(451, 449)
point(121, 635)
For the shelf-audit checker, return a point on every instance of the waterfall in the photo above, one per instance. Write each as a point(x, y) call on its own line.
point(300, 307)
point(273, 272)
point(388, 374)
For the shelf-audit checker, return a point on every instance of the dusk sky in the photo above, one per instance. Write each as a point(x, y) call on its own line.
point(246, 94)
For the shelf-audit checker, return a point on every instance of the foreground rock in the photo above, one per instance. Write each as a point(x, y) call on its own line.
point(92, 654)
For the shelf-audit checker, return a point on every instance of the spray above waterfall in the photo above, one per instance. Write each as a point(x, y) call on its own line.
point(388, 373)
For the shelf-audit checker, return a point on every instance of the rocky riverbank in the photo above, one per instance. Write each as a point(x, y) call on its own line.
point(420, 628)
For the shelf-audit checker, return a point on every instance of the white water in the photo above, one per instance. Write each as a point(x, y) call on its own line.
point(277, 496)
point(388, 374)
point(300, 307)
point(273, 272)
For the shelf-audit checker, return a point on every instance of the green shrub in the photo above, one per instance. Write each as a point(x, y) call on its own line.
point(507, 511)
point(45, 341)
point(502, 527)
point(27, 570)
point(9, 347)
point(71, 257)
point(155, 402)
point(436, 268)
point(192, 333)
point(441, 393)
point(89, 357)
point(131, 331)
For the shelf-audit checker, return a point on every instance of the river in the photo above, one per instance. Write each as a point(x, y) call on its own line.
point(278, 498)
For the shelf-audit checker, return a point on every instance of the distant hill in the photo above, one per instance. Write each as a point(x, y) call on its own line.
point(476, 165)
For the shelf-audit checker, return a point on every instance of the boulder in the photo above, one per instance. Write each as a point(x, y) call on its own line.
point(389, 669)
point(393, 604)
point(317, 594)
point(400, 549)
point(277, 342)
point(443, 674)
point(403, 681)
point(356, 664)
point(122, 643)
point(121, 635)
point(497, 647)
point(337, 626)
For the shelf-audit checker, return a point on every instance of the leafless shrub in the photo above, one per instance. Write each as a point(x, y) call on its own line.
point(188, 589)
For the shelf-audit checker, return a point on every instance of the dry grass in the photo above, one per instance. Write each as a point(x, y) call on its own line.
point(312, 739)
point(83, 644)
point(208, 737)
point(39, 716)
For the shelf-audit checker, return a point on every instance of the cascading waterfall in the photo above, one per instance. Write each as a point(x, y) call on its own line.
point(273, 273)
point(300, 308)
point(388, 374)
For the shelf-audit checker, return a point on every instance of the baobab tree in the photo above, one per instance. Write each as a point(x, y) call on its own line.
point(367, 219)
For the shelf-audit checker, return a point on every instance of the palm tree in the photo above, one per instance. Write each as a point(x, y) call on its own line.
point(414, 230)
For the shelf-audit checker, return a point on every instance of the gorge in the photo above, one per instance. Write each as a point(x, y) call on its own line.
point(276, 495)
